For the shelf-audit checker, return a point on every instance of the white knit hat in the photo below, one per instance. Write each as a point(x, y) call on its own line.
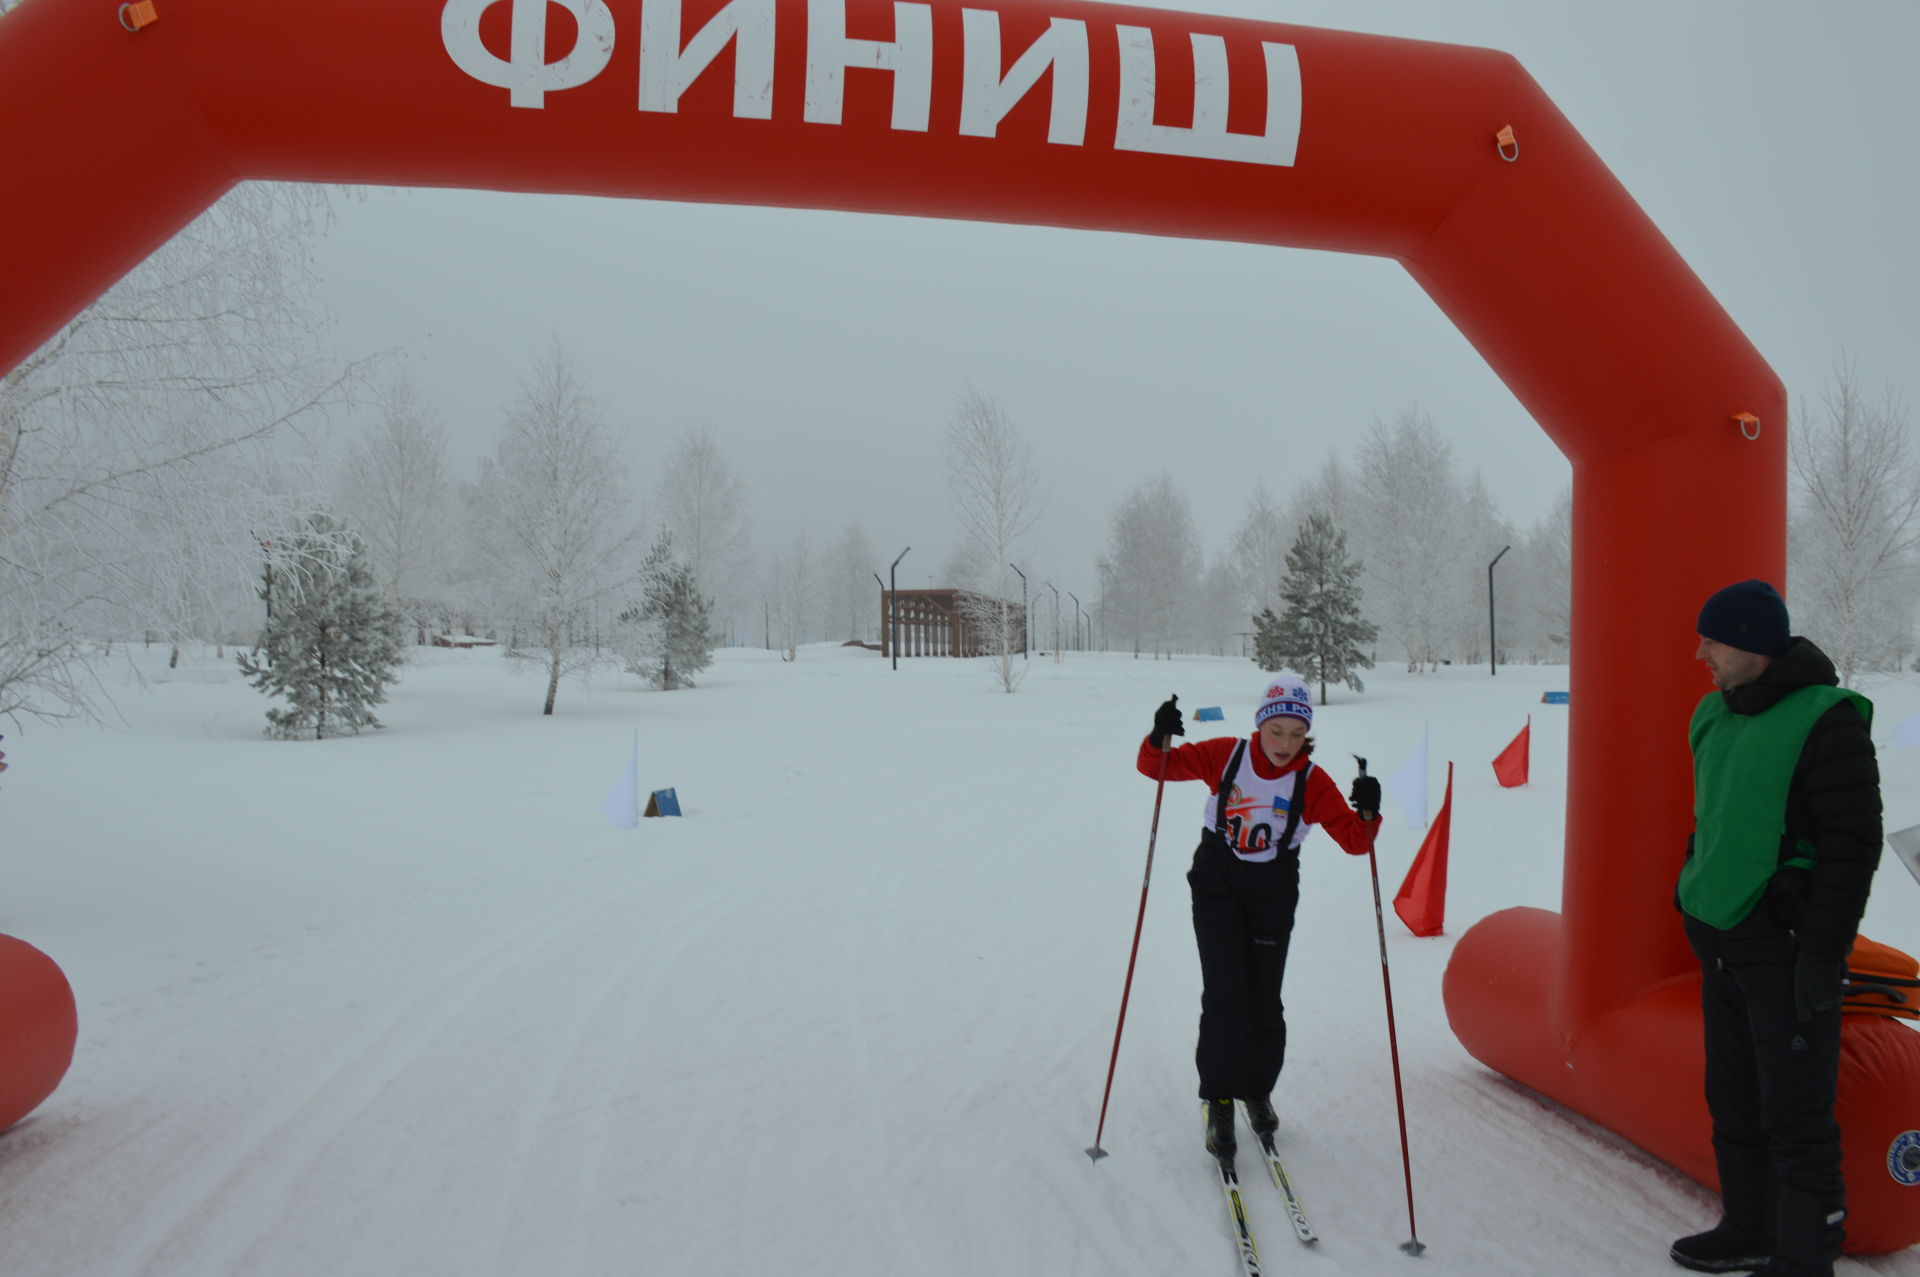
point(1285, 694)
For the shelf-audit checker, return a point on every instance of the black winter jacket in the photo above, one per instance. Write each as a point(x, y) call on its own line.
point(1833, 802)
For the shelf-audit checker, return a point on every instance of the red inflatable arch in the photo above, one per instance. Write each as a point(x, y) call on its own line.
point(130, 119)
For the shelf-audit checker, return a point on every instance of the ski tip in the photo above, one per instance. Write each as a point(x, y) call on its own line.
point(1413, 1246)
point(1095, 1153)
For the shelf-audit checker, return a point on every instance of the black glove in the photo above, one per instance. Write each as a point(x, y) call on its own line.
point(1817, 984)
point(1166, 722)
point(1365, 796)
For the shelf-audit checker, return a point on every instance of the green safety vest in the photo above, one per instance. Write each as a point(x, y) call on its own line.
point(1742, 769)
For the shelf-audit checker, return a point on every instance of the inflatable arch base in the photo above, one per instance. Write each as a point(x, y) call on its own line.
point(38, 1025)
point(1638, 1069)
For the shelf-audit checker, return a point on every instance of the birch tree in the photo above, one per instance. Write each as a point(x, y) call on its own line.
point(995, 496)
point(703, 504)
point(1855, 531)
point(1149, 568)
point(566, 516)
point(217, 330)
point(395, 489)
point(1479, 535)
point(793, 594)
point(1259, 552)
point(1407, 501)
point(854, 597)
point(1546, 582)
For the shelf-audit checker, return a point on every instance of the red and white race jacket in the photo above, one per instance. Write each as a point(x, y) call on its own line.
point(1257, 806)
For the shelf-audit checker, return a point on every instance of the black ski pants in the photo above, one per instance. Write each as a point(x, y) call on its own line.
point(1770, 1085)
point(1243, 921)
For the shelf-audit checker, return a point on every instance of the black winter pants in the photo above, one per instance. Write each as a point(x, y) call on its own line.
point(1770, 1083)
point(1243, 921)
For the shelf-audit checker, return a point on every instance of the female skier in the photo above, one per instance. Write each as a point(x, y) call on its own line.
point(1264, 794)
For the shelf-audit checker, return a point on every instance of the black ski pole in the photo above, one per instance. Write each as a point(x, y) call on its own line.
point(1096, 1152)
point(1413, 1245)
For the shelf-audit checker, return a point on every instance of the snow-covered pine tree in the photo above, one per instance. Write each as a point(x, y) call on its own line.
point(668, 636)
point(1322, 634)
point(332, 643)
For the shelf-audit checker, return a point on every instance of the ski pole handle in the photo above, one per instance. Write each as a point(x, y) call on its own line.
point(1364, 813)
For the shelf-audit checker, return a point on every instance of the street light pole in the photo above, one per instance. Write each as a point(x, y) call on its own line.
point(1056, 620)
point(893, 609)
point(1023, 611)
point(1076, 619)
point(1493, 640)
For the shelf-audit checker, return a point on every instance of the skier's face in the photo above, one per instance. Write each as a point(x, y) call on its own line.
point(1730, 666)
point(1281, 738)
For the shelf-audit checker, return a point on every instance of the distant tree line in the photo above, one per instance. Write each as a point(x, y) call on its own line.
point(160, 463)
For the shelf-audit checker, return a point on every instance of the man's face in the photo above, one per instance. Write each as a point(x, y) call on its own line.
point(1730, 666)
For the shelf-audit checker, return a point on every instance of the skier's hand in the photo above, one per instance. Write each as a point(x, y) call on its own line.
point(1167, 722)
point(1816, 984)
point(1365, 797)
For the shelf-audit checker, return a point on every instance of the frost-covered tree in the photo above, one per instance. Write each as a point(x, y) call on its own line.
point(1321, 634)
point(1149, 569)
point(1479, 535)
point(197, 528)
point(395, 489)
point(793, 585)
point(1855, 534)
point(1259, 553)
point(1219, 619)
point(332, 644)
point(564, 517)
point(854, 600)
point(698, 498)
point(1543, 584)
point(1407, 501)
point(667, 636)
point(212, 344)
point(995, 495)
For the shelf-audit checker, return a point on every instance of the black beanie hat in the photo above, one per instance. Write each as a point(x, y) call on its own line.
point(1749, 615)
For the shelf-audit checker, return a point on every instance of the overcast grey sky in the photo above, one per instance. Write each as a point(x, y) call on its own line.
point(1776, 145)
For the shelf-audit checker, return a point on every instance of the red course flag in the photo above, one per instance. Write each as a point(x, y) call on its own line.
point(1511, 765)
point(1422, 900)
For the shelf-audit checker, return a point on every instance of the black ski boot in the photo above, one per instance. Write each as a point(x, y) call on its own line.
point(1220, 1128)
point(1262, 1118)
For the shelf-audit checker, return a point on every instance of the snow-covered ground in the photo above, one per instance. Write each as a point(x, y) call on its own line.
point(405, 1004)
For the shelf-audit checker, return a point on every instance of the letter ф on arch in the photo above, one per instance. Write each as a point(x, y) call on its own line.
point(1448, 159)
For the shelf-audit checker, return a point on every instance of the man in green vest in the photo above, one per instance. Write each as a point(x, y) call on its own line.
point(1786, 805)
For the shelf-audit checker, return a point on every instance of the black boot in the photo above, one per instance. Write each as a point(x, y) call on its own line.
point(1722, 1250)
point(1262, 1118)
point(1743, 1239)
point(1219, 1115)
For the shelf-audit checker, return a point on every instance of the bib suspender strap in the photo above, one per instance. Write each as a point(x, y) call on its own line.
point(1293, 807)
point(1226, 788)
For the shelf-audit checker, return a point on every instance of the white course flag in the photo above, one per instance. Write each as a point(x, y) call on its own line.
point(1907, 843)
point(622, 805)
point(1408, 784)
